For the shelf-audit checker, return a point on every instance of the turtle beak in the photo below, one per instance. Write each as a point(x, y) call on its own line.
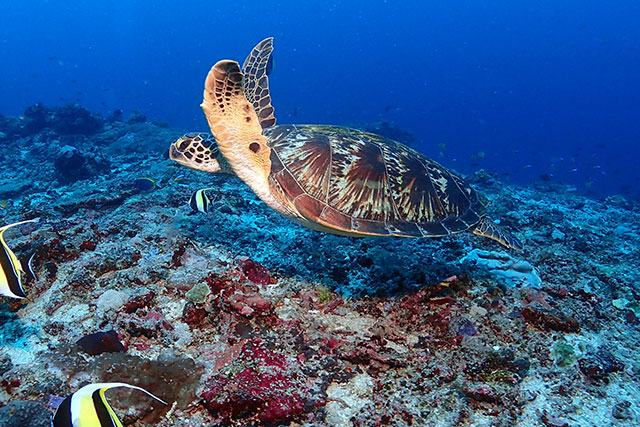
point(175, 154)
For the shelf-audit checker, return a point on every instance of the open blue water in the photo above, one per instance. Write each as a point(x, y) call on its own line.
point(528, 90)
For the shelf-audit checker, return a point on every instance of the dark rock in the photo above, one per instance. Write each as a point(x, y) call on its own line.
point(630, 317)
point(136, 117)
point(73, 119)
point(581, 245)
point(482, 393)
point(622, 411)
point(101, 342)
point(500, 366)
point(193, 315)
point(24, 413)
point(5, 364)
point(598, 366)
point(114, 116)
point(9, 126)
point(71, 165)
point(14, 188)
point(35, 119)
point(520, 367)
point(552, 420)
point(550, 320)
point(69, 119)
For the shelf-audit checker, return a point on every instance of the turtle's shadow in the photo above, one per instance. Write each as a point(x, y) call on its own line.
point(352, 267)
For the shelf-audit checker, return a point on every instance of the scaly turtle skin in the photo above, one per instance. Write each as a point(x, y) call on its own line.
point(328, 178)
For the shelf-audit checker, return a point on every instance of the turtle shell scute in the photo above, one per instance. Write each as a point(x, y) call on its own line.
point(365, 184)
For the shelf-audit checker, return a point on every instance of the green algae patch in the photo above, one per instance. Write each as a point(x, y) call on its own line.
point(198, 294)
point(563, 353)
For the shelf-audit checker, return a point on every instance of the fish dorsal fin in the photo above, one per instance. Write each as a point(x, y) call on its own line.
point(255, 82)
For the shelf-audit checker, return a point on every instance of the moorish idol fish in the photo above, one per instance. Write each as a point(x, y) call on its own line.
point(88, 407)
point(11, 269)
point(199, 201)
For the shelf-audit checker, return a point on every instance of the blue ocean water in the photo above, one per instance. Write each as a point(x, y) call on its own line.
point(530, 91)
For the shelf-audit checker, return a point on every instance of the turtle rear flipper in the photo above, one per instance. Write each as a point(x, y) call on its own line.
point(196, 151)
point(487, 228)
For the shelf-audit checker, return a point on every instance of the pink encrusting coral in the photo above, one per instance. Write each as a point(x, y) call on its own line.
point(259, 385)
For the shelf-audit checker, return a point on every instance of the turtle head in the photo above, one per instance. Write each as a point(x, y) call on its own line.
point(198, 151)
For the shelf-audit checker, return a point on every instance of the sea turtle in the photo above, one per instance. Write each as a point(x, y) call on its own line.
point(328, 178)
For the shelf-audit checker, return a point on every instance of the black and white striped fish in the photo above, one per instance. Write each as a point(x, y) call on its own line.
point(88, 407)
point(11, 270)
point(200, 201)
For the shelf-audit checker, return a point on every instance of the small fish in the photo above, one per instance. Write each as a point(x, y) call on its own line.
point(199, 201)
point(88, 407)
point(10, 268)
point(144, 183)
point(4, 204)
point(442, 146)
point(179, 177)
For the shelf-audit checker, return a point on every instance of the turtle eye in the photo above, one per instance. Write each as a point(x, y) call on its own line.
point(254, 146)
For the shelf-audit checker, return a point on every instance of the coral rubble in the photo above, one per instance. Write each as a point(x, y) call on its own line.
point(241, 317)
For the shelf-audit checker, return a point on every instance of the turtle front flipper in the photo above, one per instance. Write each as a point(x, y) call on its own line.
point(238, 133)
point(255, 83)
point(487, 228)
point(197, 151)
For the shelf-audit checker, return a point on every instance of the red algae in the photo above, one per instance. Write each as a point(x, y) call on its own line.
point(267, 390)
point(255, 271)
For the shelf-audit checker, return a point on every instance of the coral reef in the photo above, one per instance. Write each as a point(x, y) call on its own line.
point(241, 317)
point(504, 268)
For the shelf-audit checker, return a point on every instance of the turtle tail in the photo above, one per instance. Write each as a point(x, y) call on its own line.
point(487, 228)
